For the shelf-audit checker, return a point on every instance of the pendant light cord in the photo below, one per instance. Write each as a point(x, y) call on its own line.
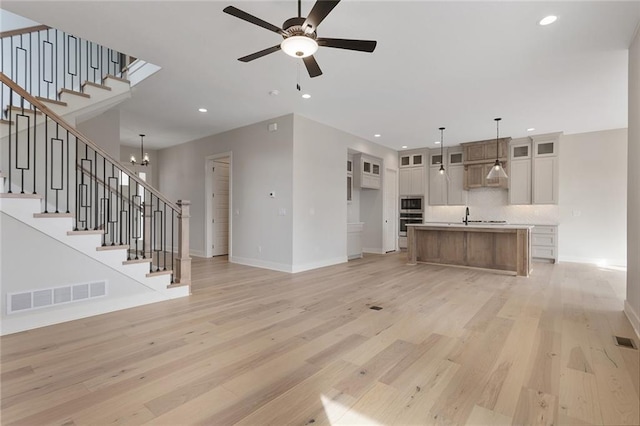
point(497, 138)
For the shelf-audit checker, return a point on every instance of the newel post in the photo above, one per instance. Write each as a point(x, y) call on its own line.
point(183, 261)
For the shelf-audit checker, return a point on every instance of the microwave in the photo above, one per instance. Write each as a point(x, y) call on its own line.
point(411, 204)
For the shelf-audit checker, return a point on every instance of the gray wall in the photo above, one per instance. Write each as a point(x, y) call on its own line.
point(632, 304)
point(262, 162)
point(593, 197)
point(20, 272)
point(104, 130)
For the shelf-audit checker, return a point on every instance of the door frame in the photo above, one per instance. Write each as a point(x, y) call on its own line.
point(392, 245)
point(208, 188)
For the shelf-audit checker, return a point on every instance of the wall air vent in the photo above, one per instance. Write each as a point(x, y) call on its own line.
point(42, 298)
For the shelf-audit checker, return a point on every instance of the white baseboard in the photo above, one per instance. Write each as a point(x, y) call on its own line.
point(376, 250)
point(594, 261)
point(260, 264)
point(319, 264)
point(633, 316)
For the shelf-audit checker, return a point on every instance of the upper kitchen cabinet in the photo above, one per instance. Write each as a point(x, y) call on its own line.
point(412, 181)
point(437, 182)
point(545, 174)
point(411, 159)
point(412, 176)
point(478, 159)
point(533, 175)
point(367, 171)
point(520, 171)
point(456, 194)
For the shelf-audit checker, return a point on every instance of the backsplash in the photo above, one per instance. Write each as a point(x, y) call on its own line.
point(493, 204)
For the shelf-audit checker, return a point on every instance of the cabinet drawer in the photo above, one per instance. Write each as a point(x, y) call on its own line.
point(543, 252)
point(543, 240)
point(542, 229)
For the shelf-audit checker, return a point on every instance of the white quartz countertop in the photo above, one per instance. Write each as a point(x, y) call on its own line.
point(472, 225)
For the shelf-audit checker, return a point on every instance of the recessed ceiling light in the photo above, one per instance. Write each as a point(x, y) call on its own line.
point(306, 96)
point(202, 109)
point(548, 20)
point(377, 135)
point(404, 147)
point(531, 129)
point(437, 142)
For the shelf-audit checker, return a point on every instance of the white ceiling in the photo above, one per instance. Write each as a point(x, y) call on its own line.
point(451, 64)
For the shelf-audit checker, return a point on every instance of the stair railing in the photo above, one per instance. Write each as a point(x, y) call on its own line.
point(44, 60)
point(44, 155)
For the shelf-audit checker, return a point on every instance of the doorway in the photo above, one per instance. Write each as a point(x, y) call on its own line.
point(218, 193)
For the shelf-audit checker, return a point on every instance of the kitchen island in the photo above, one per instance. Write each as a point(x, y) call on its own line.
point(497, 247)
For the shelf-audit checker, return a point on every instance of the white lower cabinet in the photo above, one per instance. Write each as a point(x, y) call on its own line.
point(354, 240)
point(544, 242)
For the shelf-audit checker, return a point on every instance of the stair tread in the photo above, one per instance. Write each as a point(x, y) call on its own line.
point(22, 110)
point(124, 80)
point(51, 101)
point(3, 121)
point(92, 84)
point(106, 248)
point(73, 92)
point(134, 261)
point(158, 273)
point(175, 285)
point(19, 195)
point(49, 215)
point(87, 232)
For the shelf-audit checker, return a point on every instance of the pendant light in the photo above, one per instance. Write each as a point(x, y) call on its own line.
point(442, 171)
point(497, 171)
point(145, 157)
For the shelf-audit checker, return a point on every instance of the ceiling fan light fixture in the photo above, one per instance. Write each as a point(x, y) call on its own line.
point(299, 46)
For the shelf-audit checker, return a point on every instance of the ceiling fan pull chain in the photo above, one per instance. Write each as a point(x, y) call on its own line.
point(298, 77)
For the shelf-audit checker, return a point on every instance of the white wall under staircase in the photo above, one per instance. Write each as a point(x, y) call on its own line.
point(37, 253)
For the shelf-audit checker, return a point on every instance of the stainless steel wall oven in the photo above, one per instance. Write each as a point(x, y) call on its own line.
point(411, 211)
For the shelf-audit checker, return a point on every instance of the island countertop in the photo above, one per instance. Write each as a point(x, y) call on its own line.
point(503, 247)
point(469, 227)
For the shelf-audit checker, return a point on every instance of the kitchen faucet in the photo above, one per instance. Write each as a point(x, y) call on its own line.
point(466, 216)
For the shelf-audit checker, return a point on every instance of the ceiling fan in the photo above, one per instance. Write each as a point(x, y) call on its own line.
point(300, 37)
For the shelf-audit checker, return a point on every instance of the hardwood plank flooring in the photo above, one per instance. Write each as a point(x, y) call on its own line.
point(256, 347)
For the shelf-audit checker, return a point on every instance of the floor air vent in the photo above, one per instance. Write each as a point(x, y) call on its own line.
point(625, 342)
point(36, 299)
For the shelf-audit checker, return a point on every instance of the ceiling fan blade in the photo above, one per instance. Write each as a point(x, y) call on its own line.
point(342, 43)
point(259, 54)
point(312, 66)
point(319, 11)
point(234, 11)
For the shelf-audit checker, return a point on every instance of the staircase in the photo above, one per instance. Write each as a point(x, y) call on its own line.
point(96, 218)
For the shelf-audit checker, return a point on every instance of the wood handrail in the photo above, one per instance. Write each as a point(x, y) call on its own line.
point(25, 30)
point(33, 101)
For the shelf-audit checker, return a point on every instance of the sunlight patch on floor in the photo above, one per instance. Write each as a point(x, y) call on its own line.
point(338, 414)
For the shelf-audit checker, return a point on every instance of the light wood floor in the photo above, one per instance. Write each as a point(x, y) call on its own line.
point(257, 347)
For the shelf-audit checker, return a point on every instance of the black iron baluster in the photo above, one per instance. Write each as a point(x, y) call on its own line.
point(164, 237)
point(96, 207)
point(143, 207)
point(40, 59)
point(46, 164)
point(78, 187)
point(10, 133)
point(105, 216)
point(35, 138)
point(172, 243)
point(68, 181)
